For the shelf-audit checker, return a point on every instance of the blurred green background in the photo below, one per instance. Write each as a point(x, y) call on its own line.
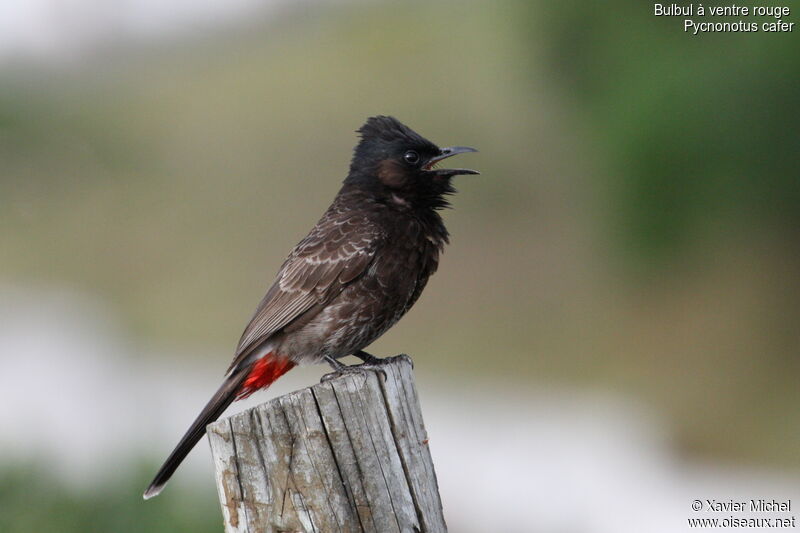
point(635, 227)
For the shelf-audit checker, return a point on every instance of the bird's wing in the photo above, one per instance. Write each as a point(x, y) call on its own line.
point(336, 252)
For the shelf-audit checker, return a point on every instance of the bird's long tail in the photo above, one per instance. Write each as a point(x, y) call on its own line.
point(239, 384)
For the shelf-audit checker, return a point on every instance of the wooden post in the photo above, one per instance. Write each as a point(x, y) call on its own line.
point(347, 455)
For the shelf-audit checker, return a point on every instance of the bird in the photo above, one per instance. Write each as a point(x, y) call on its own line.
point(356, 273)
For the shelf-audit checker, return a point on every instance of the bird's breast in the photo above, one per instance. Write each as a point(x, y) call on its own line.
point(373, 302)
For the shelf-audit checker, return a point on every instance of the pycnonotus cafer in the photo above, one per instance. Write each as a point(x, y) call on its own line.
point(355, 274)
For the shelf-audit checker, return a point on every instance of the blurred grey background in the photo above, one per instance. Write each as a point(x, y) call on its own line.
point(612, 333)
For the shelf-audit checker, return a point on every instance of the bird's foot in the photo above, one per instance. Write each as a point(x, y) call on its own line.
point(377, 361)
point(401, 357)
point(371, 363)
point(362, 369)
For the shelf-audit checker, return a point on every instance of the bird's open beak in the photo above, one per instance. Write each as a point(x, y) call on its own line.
point(444, 154)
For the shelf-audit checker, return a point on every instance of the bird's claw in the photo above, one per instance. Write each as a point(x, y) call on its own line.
point(329, 376)
point(402, 357)
point(354, 369)
point(374, 364)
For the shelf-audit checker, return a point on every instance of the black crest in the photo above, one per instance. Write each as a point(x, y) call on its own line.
point(383, 137)
point(389, 129)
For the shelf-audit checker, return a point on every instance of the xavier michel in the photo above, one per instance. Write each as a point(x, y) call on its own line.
point(752, 506)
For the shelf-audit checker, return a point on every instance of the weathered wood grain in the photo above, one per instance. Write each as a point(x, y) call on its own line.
point(347, 455)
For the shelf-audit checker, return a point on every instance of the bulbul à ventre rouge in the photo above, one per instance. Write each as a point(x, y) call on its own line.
point(356, 273)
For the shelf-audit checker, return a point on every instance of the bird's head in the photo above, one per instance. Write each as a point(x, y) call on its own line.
point(399, 165)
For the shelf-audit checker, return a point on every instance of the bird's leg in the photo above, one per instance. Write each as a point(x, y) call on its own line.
point(370, 363)
point(336, 365)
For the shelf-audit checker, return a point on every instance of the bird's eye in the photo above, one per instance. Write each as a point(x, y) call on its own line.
point(411, 157)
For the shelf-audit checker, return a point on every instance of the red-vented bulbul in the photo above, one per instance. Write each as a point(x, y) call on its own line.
point(355, 274)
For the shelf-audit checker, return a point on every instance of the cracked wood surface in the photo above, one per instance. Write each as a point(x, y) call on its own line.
point(347, 455)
